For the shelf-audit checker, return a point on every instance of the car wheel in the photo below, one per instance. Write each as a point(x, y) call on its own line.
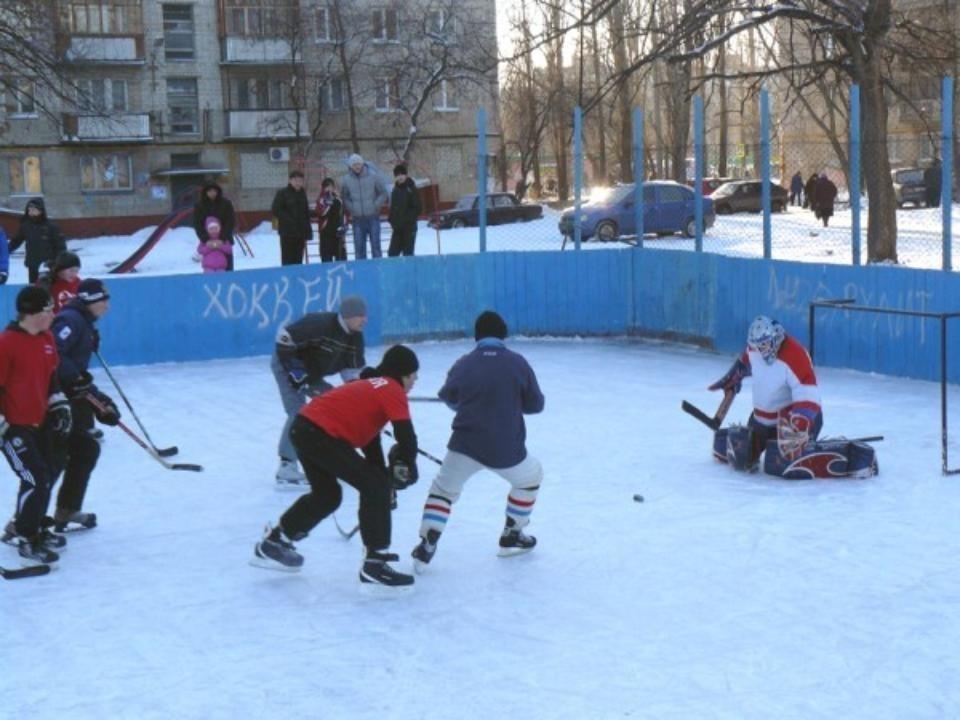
point(723, 210)
point(607, 231)
point(777, 207)
point(690, 227)
point(458, 223)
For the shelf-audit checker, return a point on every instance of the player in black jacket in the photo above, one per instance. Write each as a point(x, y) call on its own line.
point(316, 345)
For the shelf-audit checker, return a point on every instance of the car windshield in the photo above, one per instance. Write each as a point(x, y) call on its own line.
point(909, 176)
point(725, 189)
point(466, 202)
point(609, 195)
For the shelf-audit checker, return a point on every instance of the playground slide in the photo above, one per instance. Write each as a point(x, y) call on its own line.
point(141, 252)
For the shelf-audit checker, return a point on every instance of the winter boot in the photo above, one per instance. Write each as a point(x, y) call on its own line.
point(275, 552)
point(513, 541)
point(376, 571)
point(289, 476)
point(35, 552)
point(423, 553)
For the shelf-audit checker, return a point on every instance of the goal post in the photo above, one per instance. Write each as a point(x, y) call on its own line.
point(942, 319)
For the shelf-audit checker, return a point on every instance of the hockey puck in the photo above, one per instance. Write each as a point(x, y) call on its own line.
point(638, 498)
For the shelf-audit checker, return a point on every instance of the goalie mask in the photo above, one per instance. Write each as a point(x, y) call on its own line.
point(765, 337)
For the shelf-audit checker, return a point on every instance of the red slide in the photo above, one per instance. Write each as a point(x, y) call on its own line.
point(141, 252)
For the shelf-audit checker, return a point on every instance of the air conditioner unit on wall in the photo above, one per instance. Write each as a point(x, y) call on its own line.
point(279, 154)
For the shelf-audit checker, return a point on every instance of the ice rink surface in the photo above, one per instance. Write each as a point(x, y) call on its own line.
point(722, 596)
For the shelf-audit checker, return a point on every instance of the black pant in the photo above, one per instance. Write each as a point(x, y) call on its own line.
point(29, 451)
point(402, 240)
point(324, 459)
point(33, 273)
point(332, 247)
point(291, 251)
point(82, 454)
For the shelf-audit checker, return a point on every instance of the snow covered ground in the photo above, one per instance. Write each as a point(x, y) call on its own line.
point(722, 596)
point(797, 235)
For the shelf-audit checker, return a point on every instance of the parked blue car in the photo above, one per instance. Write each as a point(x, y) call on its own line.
point(668, 208)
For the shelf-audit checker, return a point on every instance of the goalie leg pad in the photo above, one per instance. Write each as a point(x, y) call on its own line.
point(720, 445)
point(740, 448)
point(824, 459)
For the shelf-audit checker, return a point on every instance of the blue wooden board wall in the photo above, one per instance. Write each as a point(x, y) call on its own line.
point(702, 297)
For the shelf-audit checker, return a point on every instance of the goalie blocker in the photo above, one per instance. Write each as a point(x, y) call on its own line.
point(827, 458)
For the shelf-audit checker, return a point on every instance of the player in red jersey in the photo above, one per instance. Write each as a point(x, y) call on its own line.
point(34, 418)
point(326, 434)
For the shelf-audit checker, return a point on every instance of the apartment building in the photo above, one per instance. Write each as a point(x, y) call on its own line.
point(170, 95)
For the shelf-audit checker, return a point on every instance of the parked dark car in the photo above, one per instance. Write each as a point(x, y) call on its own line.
point(909, 186)
point(710, 184)
point(667, 209)
point(744, 196)
point(501, 208)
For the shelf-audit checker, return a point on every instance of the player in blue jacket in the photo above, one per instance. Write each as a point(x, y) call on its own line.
point(490, 389)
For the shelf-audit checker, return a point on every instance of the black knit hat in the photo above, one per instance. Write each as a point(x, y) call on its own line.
point(400, 169)
point(489, 324)
point(64, 261)
point(92, 290)
point(399, 361)
point(32, 300)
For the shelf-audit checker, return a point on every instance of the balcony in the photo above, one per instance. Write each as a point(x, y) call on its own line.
point(265, 124)
point(102, 49)
point(119, 128)
point(256, 50)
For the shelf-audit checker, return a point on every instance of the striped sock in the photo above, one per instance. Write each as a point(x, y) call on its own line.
point(436, 512)
point(520, 504)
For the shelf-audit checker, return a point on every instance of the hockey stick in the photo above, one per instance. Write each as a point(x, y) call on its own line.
point(162, 452)
point(24, 572)
point(344, 533)
point(136, 438)
point(427, 455)
point(711, 422)
point(424, 399)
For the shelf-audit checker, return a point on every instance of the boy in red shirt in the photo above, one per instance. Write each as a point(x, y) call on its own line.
point(34, 416)
point(63, 279)
point(326, 434)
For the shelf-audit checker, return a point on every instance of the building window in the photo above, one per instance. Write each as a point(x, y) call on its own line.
point(178, 43)
point(101, 96)
point(262, 18)
point(324, 25)
point(385, 25)
point(22, 92)
point(184, 106)
point(25, 176)
point(441, 25)
point(445, 98)
point(99, 17)
point(388, 94)
point(104, 173)
point(332, 95)
point(260, 94)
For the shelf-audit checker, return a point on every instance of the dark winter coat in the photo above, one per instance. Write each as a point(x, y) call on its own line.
point(74, 329)
point(809, 192)
point(796, 184)
point(491, 389)
point(405, 205)
point(43, 238)
point(329, 214)
point(292, 211)
point(319, 344)
point(824, 195)
point(220, 208)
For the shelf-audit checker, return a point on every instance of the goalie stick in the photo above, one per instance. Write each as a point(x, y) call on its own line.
point(24, 572)
point(711, 422)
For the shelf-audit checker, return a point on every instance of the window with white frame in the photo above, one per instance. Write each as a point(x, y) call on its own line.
point(106, 173)
point(324, 25)
point(25, 175)
point(332, 97)
point(178, 32)
point(183, 101)
point(22, 92)
point(260, 93)
point(386, 25)
point(388, 94)
point(102, 17)
point(101, 95)
point(445, 97)
point(261, 18)
point(441, 24)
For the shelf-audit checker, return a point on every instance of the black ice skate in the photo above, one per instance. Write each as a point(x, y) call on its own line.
point(45, 538)
point(35, 552)
point(65, 521)
point(375, 571)
point(514, 542)
point(424, 552)
point(275, 552)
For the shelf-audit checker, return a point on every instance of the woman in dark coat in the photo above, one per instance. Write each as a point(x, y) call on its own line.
point(809, 192)
point(824, 195)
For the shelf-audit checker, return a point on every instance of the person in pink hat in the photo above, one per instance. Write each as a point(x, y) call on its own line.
point(214, 253)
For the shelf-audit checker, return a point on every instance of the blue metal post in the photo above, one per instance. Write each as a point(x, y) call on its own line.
point(946, 168)
point(698, 172)
point(577, 174)
point(638, 174)
point(482, 176)
point(765, 172)
point(855, 171)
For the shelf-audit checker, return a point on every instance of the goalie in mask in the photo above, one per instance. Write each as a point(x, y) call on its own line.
point(786, 398)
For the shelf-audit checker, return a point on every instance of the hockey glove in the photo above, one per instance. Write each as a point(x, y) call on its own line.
point(733, 380)
point(81, 385)
point(58, 412)
point(297, 377)
point(109, 415)
point(4, 426)
point(402, 474)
